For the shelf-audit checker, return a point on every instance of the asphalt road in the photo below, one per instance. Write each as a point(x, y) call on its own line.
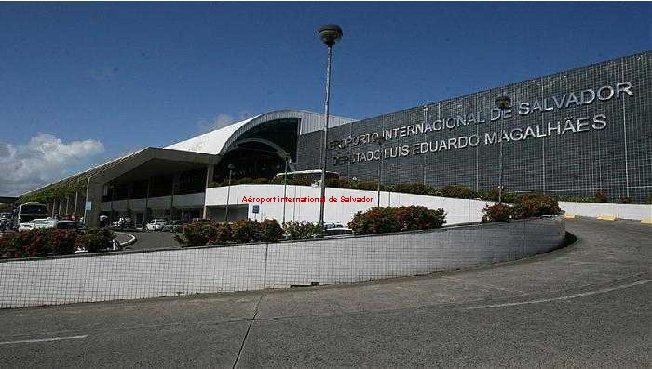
point(582, 306)
point(153, 240)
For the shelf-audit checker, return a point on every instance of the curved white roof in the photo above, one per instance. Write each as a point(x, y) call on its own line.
point(211, 142)
point(215, 142)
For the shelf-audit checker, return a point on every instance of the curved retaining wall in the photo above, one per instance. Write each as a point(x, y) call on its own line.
point(279, 265)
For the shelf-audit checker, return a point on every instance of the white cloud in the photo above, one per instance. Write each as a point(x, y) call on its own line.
point(44, 159)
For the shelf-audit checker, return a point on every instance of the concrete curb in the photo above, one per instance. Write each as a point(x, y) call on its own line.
point(132, 240)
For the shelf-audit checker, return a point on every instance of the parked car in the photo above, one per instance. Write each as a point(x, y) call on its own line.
point(156, 225)
point(44, 223)
point(123, 222)
point(174, 226)
point(5, 224)
point(25, 226)
point(332, 225)
point(337, 231)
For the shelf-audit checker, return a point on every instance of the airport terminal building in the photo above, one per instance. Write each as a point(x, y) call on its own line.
point(574, 133)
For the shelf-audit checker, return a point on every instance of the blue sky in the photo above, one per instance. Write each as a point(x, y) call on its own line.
point(85, 82)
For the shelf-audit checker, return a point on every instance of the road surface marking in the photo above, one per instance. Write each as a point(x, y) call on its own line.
point(567, 297)
point(45, 340)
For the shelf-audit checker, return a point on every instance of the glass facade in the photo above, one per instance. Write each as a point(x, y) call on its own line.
point(572, 133)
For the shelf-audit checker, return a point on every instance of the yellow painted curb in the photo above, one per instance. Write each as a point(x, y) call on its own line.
point(607, 217)
point(569, 216)
point(647, 220)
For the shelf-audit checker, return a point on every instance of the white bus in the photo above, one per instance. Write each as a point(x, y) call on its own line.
point(30, 211)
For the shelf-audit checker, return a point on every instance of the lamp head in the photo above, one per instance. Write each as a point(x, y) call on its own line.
point(330, 33)
point(231, 166)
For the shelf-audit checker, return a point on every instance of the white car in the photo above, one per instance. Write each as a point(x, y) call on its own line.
point(338, 231)
point(156, 225)
point(37, 224)
point(44, 223)
point(25, 226)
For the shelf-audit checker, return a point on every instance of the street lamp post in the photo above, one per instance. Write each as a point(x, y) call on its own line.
point(380, 140)
point(503, 103)
point(285, 184)
point(329, 34)
point(228, 193)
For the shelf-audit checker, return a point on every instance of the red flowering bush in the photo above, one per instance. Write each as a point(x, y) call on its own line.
point(241, 231)
point(38, 242)
point(245, 230)
point(525, 206)
point(375, 220)
point(9, 245)
point(388, 220)
point(419, 217)
point(302, 230)
point(625, 200)
point(62, 241)
point(496, 213)
point(601, 197)
point(535, 205)
point(199, 233)
point(221, 233)
point(269, 231)
point(30, 243)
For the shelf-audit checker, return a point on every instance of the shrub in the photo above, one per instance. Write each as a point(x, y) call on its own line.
point(39, 245)
point(62, 241)
point(245, 230)
point(9, 244)
point(95, 240)
point(198, 234)
point(497, 213)
point(245, 180)
point(535, 205)
point(302, 230)
point(573, 198)
point(220, 233)
point(601, 197)
point(339, 183)
point(459, 192)
point(413, 188)
point(367, 185)
point(375, 220)
point(4, 243)
point(625, 200)
point(270, 231)
point(387, 220)
point(38, 242)
point(43, 242)
point(299, 182)
point(30, 243)
point(419, 217)
point(492, 195)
